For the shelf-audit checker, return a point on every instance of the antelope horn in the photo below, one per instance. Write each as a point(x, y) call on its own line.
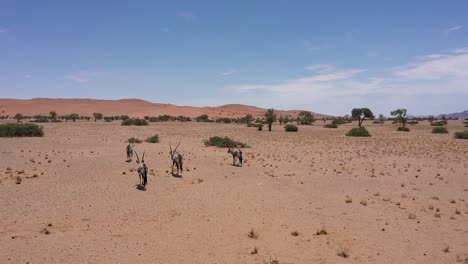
point(170, 147)
point(138, 159)
point(143, 158)
point(177, 146)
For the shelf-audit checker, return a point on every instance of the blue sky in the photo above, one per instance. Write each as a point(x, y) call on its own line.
point(323, 56)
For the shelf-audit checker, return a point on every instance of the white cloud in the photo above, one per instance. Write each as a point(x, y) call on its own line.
point(314, 82)
point(455, 28)
point(229, 72)
point(436, 66)
point(187, 15)
point(84, 76)
point(430, 76)
point(460, 50)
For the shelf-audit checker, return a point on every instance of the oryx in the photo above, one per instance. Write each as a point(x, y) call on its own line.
point(177, 159)
point(130, 150)
point(142, 170)
point(236, 153)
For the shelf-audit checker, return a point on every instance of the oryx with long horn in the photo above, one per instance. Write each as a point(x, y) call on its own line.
point(142, 170)
point(177, 159)
point(129, 149)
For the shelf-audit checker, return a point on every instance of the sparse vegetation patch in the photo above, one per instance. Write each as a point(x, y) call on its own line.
point(403, 129)
point(134, 140)
point(343, 252)
point(134, 122)
point(153, 139)
point(439, 130)
point(332, 125)
point(438, 123)
point(461, 134)
point(224, 142)
point(291, 128)
point(21, 130)
point(358, 132)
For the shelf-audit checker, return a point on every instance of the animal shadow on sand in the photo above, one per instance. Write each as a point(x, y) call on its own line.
point(175, 175)
point(140, 187)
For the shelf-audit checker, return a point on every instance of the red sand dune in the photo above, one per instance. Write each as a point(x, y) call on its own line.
point(131, 107)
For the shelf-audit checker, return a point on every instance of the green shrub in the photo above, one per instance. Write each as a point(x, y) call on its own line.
point(153, 139)
point(291, 128)
point(376, 122)
point(439, 130)
point(202, 118)
point(21, 130)
point(56, 121)
point(358, 132)
point(438, 123)
point(330, 125)
point(223, 142)
point(134, 140)
point(260, 127)
point(340, 121)
point(403, 129)
point(462, 134)
point(134, 122)
point(412, 122)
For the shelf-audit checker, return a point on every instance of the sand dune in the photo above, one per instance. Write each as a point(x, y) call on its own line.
point(131, 107)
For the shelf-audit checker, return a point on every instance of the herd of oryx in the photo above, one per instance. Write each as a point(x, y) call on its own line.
point(177, 161)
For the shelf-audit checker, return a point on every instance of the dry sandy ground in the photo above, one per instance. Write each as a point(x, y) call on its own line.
point(407, 196)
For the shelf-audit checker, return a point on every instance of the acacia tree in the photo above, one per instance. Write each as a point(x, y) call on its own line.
point(306, 118)
point(74, 116)
point(248, 119)
point(97, 116)
point(270, 117)
point(444, 119)
point(18, 117)
point(401, 116)
point(361, 113)
point(430, 119)
point(381, 119)
point(52, 115)
point(281, 119)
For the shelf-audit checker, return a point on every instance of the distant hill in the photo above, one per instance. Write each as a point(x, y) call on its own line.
point(460, 115)
point(131, 107)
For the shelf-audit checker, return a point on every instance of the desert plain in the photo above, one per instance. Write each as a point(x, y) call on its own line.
point(395, 197)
